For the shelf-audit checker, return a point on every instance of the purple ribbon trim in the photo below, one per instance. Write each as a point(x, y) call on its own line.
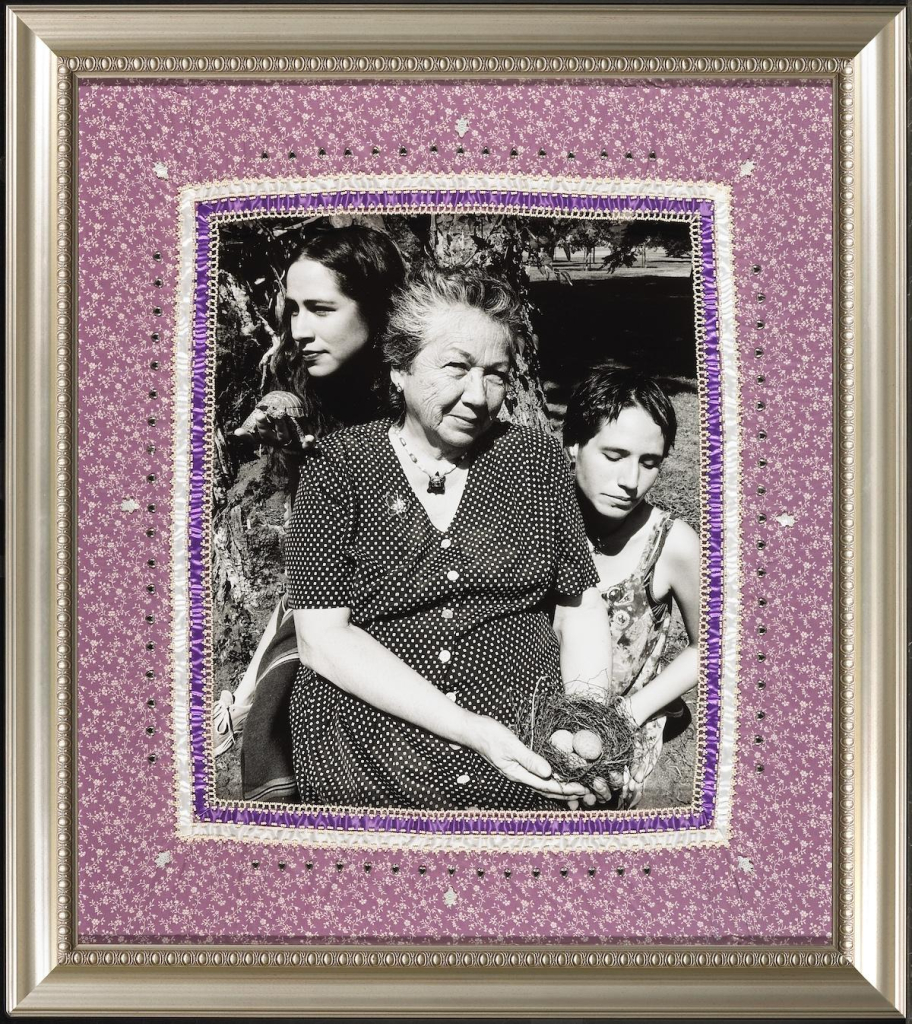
point(413, 822)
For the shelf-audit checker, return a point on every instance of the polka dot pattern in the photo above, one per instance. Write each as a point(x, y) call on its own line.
point(472, 616)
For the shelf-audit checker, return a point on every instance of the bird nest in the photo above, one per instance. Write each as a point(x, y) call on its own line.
point(611, 723)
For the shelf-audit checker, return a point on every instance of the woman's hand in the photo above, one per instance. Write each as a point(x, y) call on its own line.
point(274, 429)
point(504, 751)
point(647, 746)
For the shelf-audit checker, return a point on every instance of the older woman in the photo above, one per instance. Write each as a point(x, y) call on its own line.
point(440, 575)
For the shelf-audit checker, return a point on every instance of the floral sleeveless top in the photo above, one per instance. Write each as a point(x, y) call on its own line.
point(639, 623)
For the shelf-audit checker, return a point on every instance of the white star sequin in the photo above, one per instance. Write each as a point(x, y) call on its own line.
point(744, 863)
point(785, 519)
point(161, 170)
point(128, 505)
point(450, 897)
point(163, 859)
point(747, 168)
point(462, 126)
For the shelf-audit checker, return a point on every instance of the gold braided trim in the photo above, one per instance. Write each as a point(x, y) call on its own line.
point(431, 64)
point(844, 515)
point(65, 516)
point(491, 957)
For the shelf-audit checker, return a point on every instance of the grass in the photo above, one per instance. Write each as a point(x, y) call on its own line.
point(678, 490)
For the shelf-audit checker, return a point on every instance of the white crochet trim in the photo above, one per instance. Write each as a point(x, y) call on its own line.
point(507, 187)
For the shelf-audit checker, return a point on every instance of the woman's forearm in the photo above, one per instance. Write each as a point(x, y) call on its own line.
point(584, 632)
point(363, 667)
point(355, 662)
point(673, 681)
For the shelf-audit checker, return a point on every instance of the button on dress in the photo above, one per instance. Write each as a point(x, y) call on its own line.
point(473, 617)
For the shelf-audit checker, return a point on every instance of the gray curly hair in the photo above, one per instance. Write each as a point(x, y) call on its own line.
point(422, 297)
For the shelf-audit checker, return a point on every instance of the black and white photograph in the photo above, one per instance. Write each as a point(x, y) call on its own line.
point(455, 513)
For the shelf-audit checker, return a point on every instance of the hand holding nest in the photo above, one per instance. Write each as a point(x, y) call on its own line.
point(504, 751)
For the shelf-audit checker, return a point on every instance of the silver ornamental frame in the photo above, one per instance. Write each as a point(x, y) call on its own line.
point(862, 49)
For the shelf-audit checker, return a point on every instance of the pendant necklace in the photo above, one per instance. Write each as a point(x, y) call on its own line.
point(436, 480)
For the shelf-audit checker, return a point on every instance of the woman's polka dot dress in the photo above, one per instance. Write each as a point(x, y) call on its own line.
point(469, 609)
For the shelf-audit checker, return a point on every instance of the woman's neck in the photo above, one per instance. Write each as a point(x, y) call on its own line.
point(345, 398)
point(610, 535)
point(427, 445)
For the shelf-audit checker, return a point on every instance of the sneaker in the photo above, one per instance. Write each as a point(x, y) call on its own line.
point(228, 718)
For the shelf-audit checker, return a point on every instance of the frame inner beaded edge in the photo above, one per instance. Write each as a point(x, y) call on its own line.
point(67, 70)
